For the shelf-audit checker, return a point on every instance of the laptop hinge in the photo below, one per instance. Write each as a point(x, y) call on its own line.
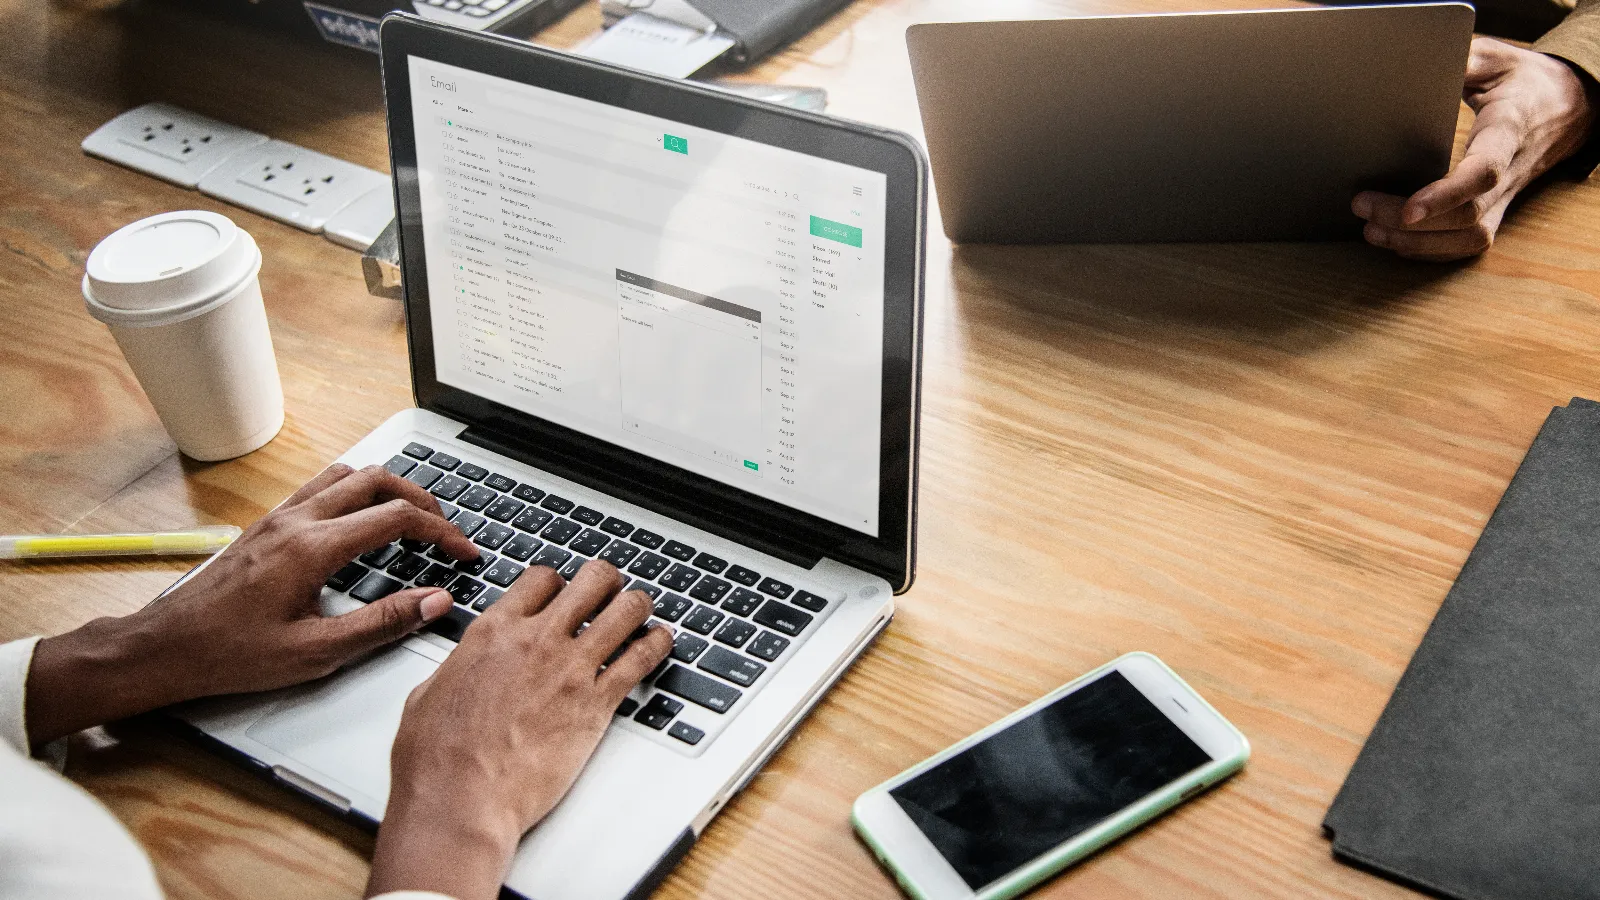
point(704, 517)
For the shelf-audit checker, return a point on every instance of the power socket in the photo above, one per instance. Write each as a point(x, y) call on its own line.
point(294, 185)
point(170, 143)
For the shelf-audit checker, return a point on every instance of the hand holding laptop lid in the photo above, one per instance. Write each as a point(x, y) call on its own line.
point(1533, 111)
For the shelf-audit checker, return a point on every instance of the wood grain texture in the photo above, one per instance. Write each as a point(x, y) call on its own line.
point(1263, 463)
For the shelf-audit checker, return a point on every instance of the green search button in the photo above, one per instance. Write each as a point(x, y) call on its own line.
point(675, 144)
point(835, 231)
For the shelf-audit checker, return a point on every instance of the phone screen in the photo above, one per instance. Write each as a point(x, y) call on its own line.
point(1025, 790)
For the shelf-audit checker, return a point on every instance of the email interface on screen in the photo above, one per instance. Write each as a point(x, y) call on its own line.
point(709, 301)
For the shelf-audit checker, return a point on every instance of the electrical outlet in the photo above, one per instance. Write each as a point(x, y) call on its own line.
point(170, 143)
point(291, 184)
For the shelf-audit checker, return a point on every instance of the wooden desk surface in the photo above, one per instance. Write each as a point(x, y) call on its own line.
point(1263, 463)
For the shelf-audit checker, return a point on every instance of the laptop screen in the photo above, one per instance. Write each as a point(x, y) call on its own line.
point(711, 302)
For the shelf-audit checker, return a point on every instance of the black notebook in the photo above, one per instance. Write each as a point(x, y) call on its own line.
point(1481, 780)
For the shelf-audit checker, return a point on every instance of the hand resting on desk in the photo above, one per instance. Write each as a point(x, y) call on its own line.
point(1533, 111)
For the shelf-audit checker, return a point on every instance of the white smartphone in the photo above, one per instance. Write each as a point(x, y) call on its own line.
point(1050, 784)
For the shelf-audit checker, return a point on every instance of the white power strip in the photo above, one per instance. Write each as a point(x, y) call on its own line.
point(349, 204)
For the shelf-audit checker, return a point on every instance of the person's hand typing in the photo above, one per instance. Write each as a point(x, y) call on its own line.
point(491, 742)
point(249, 621)
point(1532, 110)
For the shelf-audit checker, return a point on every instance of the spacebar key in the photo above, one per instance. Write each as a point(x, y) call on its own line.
point(697, 688)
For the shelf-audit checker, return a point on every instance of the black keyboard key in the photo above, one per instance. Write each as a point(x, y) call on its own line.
point(501, 483)
point(379, 557)
point(619, 554)
point(465, 589)
point(452, 624)
point(647, 539)
point(685, 732)
point(614, 525)
point(448, 510)
point(687, 648)
point(347, 576)
point(424, 476)
point(521, 547)
point(588, 516)
point(493, 535)
point(551, 556)
point(527, 493)
point(746, 577)
point(590, 543)
point(646, 588)
point(712, 564)
point(476, 566)
point(471, 472)
point(678, 550)
point(477, 498)
point(437, 575)
point(504, 509)
point(487, 599)
point(531, 520)
point(444, 461)
point(375, 586)
point(679, 577)
point(808, 600)
point(742, 602)
point(702, 620)
point(412, 545)
point(783, 617)
point(697, 688)
point(407, 567)
point(767, 646)
point(418, 451)
point(570, 570)
point(658, 712)
point(558, 505)
point(399, 466)
point(468, 523)
point(741, 670)
point(449, 487)
point(648, 566)
point(560, 531)
point(776, 588)
point(734, 632)
point(710, 589)
point(503, 572)
point(671, 607)
point(627, 707)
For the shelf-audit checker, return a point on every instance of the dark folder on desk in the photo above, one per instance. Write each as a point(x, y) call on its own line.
point(1481, 779)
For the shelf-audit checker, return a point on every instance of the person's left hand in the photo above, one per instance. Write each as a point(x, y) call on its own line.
point(250, 620)
point(1533, 111)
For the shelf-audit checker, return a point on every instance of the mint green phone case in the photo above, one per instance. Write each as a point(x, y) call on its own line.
point(1086, 844)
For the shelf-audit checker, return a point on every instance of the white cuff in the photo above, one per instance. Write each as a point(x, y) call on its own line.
point(412, 895)
point(15, 659)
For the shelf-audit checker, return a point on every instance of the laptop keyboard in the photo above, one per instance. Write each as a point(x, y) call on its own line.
point(734, 625)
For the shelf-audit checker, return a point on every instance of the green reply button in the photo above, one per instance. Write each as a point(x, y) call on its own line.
point(751, 464)
point(675, 144)
point(835, 231)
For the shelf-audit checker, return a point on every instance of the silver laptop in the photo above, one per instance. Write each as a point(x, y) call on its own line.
point(649, 323)
point(1227, 126)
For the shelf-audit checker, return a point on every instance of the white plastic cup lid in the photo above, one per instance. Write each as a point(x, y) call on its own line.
point(168, 267)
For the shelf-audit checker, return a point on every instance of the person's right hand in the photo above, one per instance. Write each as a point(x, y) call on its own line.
point(491, 742)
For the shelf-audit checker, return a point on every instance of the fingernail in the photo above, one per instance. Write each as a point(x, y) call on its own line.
point(1377, 235)
point(1411, 215)
point(653, 624)
point(435, 605)
point(1361, 206)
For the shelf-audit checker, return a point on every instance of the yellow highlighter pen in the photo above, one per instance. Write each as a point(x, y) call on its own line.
point(189, 542)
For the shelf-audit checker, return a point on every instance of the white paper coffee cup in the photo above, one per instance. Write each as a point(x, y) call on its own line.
point(180, 295)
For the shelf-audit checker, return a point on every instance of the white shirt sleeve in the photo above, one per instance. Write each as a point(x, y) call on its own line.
point(56, 841)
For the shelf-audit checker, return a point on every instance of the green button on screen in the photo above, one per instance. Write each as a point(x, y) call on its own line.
point(748, 464)
point(675, 144)
point(835, 231)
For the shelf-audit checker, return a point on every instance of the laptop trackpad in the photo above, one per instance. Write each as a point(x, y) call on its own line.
point(343, 727)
